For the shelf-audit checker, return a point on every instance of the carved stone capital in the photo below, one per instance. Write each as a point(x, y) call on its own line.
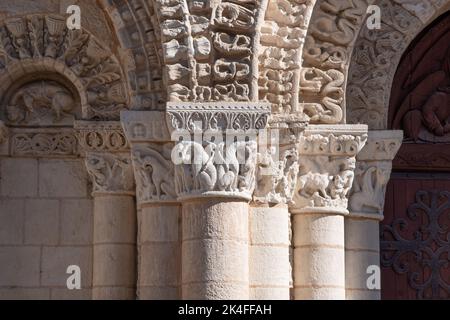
point(373, 170)
point(111, 173)
point(96, 136)
point(225, 170)
point(327, 164)
point(154, 172)
point(278, 164)
point(221, 167)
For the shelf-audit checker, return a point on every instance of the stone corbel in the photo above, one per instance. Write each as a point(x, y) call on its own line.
point(373, 170)
point(107, 157)
point(327, 164)
point(207, 167)
point(151, 151)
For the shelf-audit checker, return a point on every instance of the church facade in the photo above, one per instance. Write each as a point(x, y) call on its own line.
point(231, 149)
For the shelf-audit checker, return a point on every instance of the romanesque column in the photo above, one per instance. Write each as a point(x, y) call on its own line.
point(327, 163)
point(270, 236)
point(215, 166)
point(159, 255)
point(366, 205)
point(108, 163)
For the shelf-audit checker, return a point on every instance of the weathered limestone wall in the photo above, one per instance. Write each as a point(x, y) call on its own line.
point(46, 221)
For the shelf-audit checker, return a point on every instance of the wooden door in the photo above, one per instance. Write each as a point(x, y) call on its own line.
point(415, 237)
point(415, 234)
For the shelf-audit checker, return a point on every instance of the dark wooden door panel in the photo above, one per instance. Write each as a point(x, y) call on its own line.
point(415, 238)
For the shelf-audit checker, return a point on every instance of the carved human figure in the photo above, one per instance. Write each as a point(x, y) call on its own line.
point(427, 106)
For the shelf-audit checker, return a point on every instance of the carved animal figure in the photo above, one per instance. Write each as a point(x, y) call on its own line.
point(314, 183)
point(156, 170)
point(36, 97)
point(196, 171)
point(227, 166)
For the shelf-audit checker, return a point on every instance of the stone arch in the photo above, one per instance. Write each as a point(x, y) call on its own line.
point(35, 45)
point(136, 27)
point(377, 54)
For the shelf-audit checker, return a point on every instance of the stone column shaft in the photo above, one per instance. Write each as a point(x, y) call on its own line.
point(114, 247)
point(270, 270)
point(215, 249)
point(366, 205)
point(159, 263)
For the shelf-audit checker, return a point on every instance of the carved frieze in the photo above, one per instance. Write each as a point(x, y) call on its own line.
point(44, 143)
point(101, 136)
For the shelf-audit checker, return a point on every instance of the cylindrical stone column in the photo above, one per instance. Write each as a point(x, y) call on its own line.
point(362, 253)
point(270, 270)
point(114, 247)
point(159, 263)
point(114, 244)
point(326, 174)
point(319, 256)
point(366, 205)
point(215, 249)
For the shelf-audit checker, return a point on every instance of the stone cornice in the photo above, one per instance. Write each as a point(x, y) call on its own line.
point(219, 116)
point(381, 145)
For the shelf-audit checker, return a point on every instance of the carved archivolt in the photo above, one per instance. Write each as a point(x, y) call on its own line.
point(333, 29)
point(377, 54)
point(208, 48)
point(40, 46)
point(138, 30)
point(281, 44)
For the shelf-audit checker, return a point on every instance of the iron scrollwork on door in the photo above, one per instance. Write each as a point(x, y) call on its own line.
point(419, 245)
